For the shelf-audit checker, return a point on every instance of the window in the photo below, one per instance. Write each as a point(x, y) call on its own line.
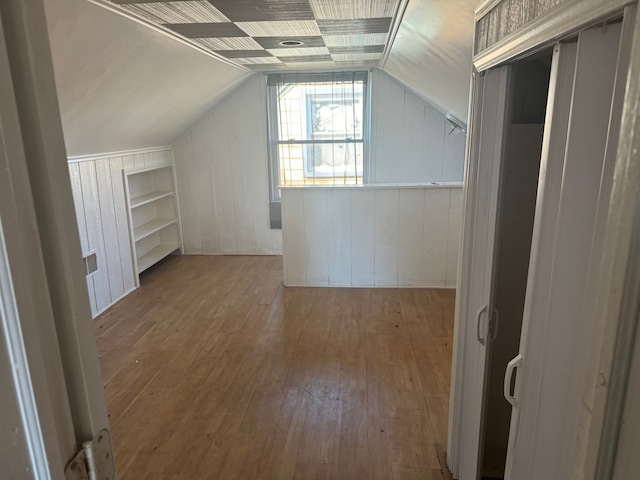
point(317, 129)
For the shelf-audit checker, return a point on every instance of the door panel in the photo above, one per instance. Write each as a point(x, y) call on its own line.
point(482, 199)
point(35, 412)
point(554, 329)
point(42, 250)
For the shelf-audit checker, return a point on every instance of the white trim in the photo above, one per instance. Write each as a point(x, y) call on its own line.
point(371, 186)
point(11, 325)
point(567, 19)
point(485, 7)
point(168, 33)
point(101, 311)
point(121, 153)
point(397, 21)
point(147, 168)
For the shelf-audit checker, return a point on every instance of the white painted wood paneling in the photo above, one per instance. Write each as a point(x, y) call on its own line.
point(436, 234)
point(339, 233)
point(223, 178)
point(410, 237)
point(385, 234)
point(362, 237)
point(295, 265)
point(101, 212)
point(376, 235)
point(411, 141)
point(221, 169)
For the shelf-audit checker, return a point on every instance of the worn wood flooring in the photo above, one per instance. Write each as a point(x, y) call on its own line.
point(213, 370)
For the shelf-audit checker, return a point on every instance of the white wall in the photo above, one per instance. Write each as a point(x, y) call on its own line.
point(98, 193)
point(221, 163)
point(221, 171)
point(383, 236)
point(122, 85)
point(410, 140)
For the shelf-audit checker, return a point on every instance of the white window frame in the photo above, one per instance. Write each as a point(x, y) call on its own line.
point(275, 141)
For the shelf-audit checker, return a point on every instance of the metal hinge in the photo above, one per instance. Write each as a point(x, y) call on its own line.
point(94, 461)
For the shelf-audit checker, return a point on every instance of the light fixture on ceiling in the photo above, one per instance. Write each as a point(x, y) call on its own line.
point(291, 43)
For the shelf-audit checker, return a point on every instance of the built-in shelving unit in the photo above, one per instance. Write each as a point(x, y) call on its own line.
point(153, 214)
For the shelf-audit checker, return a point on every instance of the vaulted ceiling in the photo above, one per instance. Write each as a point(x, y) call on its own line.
point(123, 85)
point(276, 34)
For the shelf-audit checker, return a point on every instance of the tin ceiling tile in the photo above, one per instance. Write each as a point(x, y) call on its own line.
point(259, 61)
point(281, 29)
point(206, 30)
point(351, 9)
point(358, 39)
point(302, 66)
point(230, 43)
point(243, 53)
point(356, 57)
point(274, 42)
point(264, 10)
point(347, 27)
point(358, 49)
point(177, 12)
point(298, 52)
point(268, 67)
point(355, 65)
point(306, 58)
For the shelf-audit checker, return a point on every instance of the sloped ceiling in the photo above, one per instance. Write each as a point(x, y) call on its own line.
point(123, 86)
point(268, 35)
point(432, 52)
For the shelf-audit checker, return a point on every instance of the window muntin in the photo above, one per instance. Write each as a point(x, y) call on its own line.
point(317, 129)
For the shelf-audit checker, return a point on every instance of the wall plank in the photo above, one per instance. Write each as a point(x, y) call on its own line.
point(339, 237)
point(316, 221)
point(410, 237)
point(410, 139)
point(362, 238)
point(227, 170)
point(94, 232)
point(373, 236)
point(455, 229)
point(295, 267)
point(436, 236)
point(386, 205)
point(101, 212)
point(109, 230)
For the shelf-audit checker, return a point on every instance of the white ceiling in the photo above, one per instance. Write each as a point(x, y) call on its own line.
point(432, 52)
point(123, 86)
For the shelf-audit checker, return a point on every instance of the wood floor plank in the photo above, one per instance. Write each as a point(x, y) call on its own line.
point(214, 370)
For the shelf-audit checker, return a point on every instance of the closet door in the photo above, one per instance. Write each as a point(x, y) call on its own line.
point(475, 308)
point(575, 180)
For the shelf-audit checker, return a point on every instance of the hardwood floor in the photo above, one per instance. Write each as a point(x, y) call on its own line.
point(213, 370)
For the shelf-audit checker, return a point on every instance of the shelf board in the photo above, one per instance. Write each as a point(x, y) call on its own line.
point(155, 255)
point(153, 226)
point(149, 197)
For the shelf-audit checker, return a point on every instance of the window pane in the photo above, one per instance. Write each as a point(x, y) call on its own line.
point(324, 164)
point(317, 128)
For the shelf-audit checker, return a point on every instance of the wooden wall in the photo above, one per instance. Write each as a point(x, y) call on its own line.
point(410, 140)
point(221, 163)
point(385, 236)
point(98, 193)
point(221, 171)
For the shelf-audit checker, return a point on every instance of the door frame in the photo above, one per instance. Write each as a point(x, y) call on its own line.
point(469, 353)
point(54, 239)
point(610, 353)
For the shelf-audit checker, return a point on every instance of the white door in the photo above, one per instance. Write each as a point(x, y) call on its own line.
point(475, 304)
point(575, 180)
point(52, 400)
